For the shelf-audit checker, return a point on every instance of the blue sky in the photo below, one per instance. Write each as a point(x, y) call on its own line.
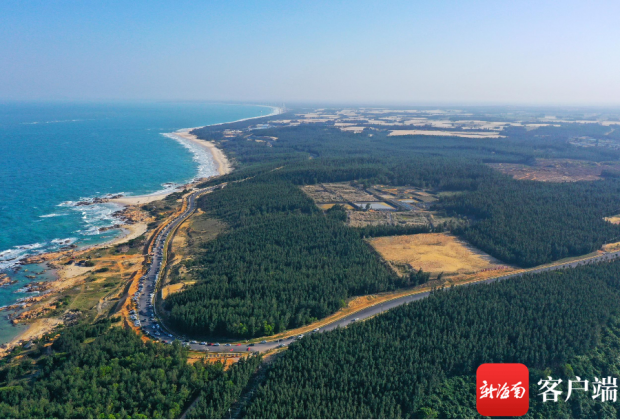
point(440, 52)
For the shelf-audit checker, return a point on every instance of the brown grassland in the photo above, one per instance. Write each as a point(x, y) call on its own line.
point(434, 253)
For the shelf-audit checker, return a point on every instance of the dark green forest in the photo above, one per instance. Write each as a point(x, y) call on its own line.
point(282, 262)
point(520, 222)
point(420, 360)
point(530, 223)
point(94, 371)
point(285, 264)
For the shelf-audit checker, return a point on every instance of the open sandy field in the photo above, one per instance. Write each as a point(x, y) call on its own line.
point(434, 253)
point(467, 134)
point(613, 219)
point(329, 206)
point(134, 200)
point(130, 232)
point(556, 170)
point(174, 288)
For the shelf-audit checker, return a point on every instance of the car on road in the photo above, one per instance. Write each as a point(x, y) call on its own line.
point(316, 330)
point(355, 320)
point(251, 345)
point(217, 344)
point(202, 343)
point(263, 342)
point(227, 344)
point(300, 336)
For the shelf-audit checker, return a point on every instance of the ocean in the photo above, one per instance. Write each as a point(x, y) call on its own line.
point(55, 154)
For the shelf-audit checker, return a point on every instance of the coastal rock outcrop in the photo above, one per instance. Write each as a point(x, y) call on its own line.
point(5, 280)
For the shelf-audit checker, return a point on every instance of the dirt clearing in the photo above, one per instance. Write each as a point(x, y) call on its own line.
point(467, 134)
point(556, 170)
point(435, 253)
point(174, 288)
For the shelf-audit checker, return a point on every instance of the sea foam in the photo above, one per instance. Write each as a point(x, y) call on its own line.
point(202, 156)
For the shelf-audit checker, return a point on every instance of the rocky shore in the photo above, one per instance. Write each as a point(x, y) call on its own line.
point(5, 280)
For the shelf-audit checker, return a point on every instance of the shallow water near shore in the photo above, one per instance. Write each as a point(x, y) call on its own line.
point(56, 154)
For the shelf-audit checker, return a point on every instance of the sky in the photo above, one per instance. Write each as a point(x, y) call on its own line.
point(383, 52)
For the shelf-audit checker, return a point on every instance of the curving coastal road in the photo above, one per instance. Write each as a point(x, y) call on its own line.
point(146, 318)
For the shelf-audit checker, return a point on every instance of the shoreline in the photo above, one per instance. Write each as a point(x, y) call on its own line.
point(223, 164)
point(40, 326)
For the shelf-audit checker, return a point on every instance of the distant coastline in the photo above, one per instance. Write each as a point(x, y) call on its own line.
point(127, 231)
point(222, 163)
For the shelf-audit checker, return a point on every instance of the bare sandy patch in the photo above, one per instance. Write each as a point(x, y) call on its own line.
point(353, 129)
point(613, 246)
point(556, 170)
point(174, 288)
point(140, 199)
point(330, 205)
point(435, 253)
point(71, 271)
point(613, 219)
point(130, 232)
point(37, 329)
point(468, 134)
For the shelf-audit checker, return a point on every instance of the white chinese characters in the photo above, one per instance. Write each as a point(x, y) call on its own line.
point(605, 389)
point(502, 392)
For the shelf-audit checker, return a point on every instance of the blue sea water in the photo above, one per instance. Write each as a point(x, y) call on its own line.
point(54, 154)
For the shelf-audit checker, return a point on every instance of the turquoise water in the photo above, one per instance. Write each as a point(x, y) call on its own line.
point(55, 154)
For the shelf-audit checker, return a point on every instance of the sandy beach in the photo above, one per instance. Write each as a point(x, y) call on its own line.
point(129, 232)
point(69, 276)
point(221, 161)
point(135, 200)
point(223, 165)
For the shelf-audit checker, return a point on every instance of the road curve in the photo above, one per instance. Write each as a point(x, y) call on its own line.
point(146, 318)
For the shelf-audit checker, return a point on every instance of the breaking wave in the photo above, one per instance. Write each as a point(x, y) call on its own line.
point(202, 156)
point(53, 215)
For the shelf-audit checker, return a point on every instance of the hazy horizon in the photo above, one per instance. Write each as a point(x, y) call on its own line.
point(357, 53)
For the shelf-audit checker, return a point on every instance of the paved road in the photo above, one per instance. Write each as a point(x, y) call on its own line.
point(144, 298)
point(146, 295)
